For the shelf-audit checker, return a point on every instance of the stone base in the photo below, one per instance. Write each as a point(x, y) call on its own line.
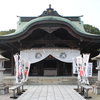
point(96, 88)
point(4, 90)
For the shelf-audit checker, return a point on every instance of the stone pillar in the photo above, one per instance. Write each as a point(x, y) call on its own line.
point(3, 88)
point(96, 87)
point(98, 68)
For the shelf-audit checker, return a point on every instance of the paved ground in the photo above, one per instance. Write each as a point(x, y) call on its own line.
point(50, 92)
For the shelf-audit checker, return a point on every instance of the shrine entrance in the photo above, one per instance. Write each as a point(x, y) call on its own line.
point(50, 66)
point(51, 61)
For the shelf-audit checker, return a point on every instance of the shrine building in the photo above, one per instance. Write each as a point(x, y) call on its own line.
point(49, 42)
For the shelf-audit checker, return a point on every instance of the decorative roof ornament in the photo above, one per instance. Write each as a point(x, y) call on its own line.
point(49, 12)
point(49, 5)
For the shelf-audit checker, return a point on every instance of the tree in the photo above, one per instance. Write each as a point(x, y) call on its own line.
point(7, 32)
point(90, 29)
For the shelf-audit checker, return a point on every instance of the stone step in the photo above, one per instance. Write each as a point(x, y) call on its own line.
point(10, 80)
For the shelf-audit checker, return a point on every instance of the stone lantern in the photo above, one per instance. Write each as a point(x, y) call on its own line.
point(96, 87)
point(3, 88)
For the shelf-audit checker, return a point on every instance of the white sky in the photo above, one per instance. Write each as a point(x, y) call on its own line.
point(9, 9)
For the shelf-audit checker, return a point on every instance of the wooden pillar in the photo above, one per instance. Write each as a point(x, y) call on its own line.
point(38, 69)
point(61, 66)
point(72, 70)
point(42, 69)
point(12, 63)
point(58, 70)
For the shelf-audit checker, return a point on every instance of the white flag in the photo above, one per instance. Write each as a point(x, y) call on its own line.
point(85, 63)
point(17, 68)
point(23, 68)
point(26, 70)
point(85, 67)
point(79, 65)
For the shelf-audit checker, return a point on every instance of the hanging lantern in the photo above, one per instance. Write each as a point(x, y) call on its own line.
point(49, 56)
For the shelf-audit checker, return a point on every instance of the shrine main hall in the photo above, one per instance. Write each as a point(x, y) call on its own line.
point(49, 42)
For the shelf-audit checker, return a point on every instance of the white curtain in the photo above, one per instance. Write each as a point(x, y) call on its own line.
point(36, 55)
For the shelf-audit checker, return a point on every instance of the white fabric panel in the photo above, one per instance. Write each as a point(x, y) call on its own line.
point(75, 66)
point(36, 55)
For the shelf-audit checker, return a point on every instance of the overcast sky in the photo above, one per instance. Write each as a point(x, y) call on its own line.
point(10, 9)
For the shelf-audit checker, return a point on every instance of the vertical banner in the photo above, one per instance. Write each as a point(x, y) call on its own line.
point(85, 61)
point(22, 68)
point(26, 70)
point(85, 66)
point(89, 69)
point(16, 66)
point(79, 64)
point(84, 69)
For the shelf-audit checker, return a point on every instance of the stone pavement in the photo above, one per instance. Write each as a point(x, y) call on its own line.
point(50, 92)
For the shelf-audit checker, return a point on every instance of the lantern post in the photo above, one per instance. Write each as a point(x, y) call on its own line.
point(96, 87)
point(3, 87)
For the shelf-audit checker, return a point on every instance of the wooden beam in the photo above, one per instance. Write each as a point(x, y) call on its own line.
point(5, 51)
point(49, 41)
point(30, 43)
point(8, 46)
point(86, 45)
point(13, 46)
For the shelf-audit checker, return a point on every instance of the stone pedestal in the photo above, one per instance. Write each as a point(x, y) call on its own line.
point(96, 87)
point(3, 88)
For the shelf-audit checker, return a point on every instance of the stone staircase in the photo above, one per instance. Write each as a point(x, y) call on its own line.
point(10, 80)
point(52, 80)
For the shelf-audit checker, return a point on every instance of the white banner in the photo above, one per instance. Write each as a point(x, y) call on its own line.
point(18, 68)
point(22, 69)
point(26, 70)
point(85, 63)
point(84, 69)
point(79, 66)
point(36, 55)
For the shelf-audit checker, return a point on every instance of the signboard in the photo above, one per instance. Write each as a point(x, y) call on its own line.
point(90, 69)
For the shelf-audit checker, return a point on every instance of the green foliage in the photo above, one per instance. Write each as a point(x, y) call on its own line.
point(91, 29)
point(7, 32)
point(98, 50)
